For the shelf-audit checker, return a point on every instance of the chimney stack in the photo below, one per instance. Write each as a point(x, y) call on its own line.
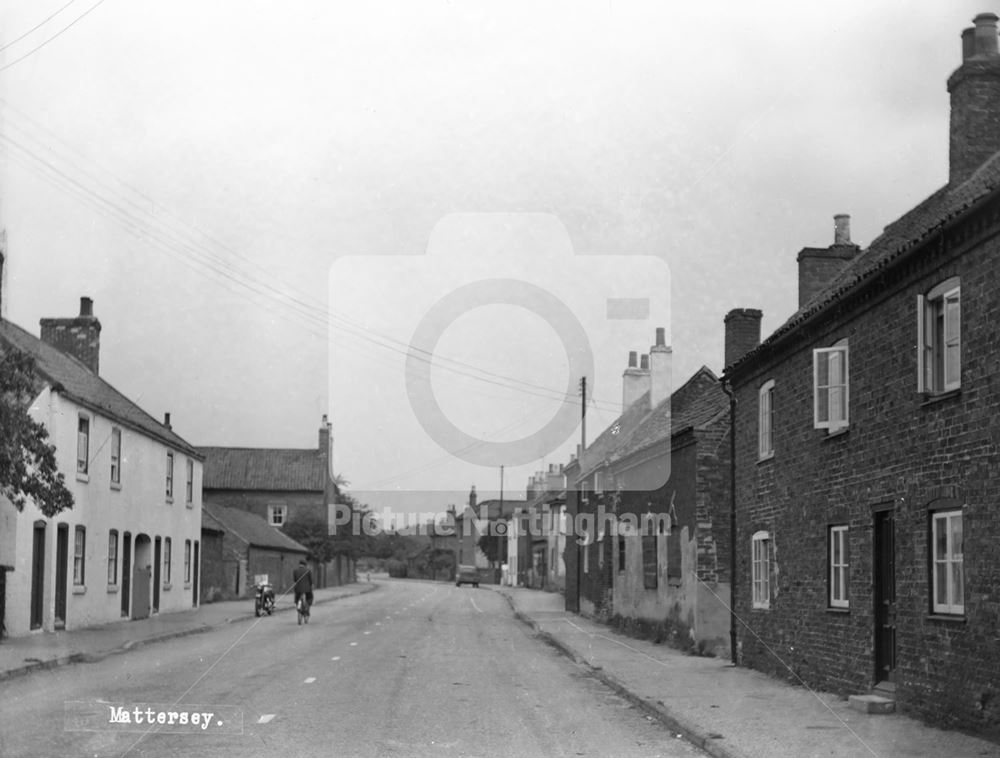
point(818, 266)
point(79, 337)
point(472, 497)
point(660, 359)
point(166, 420)
point(975, 101)
point(742, 333)
point(635, 381)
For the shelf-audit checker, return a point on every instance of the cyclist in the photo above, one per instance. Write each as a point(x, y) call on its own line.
point(303, 579)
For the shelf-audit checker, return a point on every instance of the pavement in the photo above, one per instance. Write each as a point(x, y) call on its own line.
point(41, 650)
point(731, 712)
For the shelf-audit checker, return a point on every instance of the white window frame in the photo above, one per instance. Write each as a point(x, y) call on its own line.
point(189, 486)
point(83, 444)
point(760, 561)
point(947, 563)
point(187, 561)
point(273, 510)
point(170, 475)
point(79, 555)
point(113, 557)
point(765, 421)
point(836, 359)
point(939, 338)
point(839, 566)
point(116, 456)
point(167, 560)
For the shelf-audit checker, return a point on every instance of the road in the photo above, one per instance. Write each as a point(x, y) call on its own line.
point(413, 669)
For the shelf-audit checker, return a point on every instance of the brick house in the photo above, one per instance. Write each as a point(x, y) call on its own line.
point(280, 485)
point(867, 448)
point(129, 547)
point(250, 547)
point(666, 455)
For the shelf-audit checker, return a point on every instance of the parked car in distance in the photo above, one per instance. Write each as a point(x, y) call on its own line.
point(467, 575)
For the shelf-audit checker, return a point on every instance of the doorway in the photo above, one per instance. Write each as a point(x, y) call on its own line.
point(62, 559)
point(38, 575)
point(126, 573)
point(884, 578)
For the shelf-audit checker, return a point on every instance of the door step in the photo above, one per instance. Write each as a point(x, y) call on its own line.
point(871, 703)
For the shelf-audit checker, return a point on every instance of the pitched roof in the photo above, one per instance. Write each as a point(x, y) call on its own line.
point(900, 237)
point(209, 522)
point(270, 469)
point(68, 376)
point(694, 404)
point(250, 527)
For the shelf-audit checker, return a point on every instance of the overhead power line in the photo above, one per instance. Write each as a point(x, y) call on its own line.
point(62, 31)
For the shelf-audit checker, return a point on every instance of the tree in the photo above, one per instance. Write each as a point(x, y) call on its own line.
point(492, 547)
point(28, 468)
point(311, 533)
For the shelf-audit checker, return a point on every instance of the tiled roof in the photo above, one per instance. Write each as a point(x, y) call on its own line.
point(695, 403)
point(898, 238)
point(271, 469)
point(616, 434)
point(250, 528)
point(71, 378)
point(209, 522)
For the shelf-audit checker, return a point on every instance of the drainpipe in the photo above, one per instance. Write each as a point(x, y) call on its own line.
point(732, 518)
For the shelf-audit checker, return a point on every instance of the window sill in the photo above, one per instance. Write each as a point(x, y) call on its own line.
point(187, 585)
point(166, 587)
point(169, 501)
point(116, 486)
point(946, 617)
point(82, 477)
point(836, 433)
point(933, 398)
point(112, 589)
point(838, 611)
point(761, 608)
point(189, 504)
point(765, 458)
point(79, 589)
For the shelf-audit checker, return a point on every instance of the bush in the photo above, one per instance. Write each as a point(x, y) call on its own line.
point(397, 569)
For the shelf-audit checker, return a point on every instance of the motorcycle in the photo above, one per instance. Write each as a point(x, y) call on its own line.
point(263, 601)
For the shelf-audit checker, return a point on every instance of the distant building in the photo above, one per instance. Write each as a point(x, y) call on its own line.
point(130, 546)
point(280, 485)
point(868, 447)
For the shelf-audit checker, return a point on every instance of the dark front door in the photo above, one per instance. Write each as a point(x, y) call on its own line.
point(62, 560)
point(156, 576)
point(140, 598)
point(885, 597)
point(38, 576)
point(194, 583)
point(126, 572)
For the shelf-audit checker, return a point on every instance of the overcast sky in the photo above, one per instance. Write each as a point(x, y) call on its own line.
point(226, 179)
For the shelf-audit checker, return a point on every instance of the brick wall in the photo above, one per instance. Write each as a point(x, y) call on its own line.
point(899, 452)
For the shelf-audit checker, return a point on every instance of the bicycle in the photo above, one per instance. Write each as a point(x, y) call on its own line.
point(303, 609)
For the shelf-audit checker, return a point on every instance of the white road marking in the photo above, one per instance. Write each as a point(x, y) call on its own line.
point(473, 601)
point(367, 632)
point(265, 718)
point(310, 680)
point(354, 644)
point(335, 658)
point(378, 623)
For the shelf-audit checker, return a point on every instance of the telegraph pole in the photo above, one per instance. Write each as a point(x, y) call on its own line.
point(583, 413)
point(506, 543)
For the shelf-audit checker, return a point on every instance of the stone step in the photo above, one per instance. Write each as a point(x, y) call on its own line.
point(871, 703)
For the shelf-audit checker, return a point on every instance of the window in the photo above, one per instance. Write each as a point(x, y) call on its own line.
point(830, 387)
point(839, 563)
point(939, 338)
point(113, 557)
point(83, 445)
point(765, 423)
point(598, 482)
point(170, 476)
point(189, 487)
point(79, 553)
point(116, 456)
point(621, 553)
point(187, 561)
point(276, 514)
point(946, 571)
point(761, 570)
point(650, 562)
point(166, 560)
point(586, 557)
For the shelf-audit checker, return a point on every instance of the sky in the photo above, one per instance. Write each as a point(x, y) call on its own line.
point(269, 205)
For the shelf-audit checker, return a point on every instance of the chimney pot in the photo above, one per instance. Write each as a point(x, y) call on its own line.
point(842, 229)
point(661, 336)
point(986, 34)
point(644, 362)
point(632, 357)
point(166, 420)
point(968, 43)
point(86, 306)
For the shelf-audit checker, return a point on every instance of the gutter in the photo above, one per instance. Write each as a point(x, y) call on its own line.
point(732, 517)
